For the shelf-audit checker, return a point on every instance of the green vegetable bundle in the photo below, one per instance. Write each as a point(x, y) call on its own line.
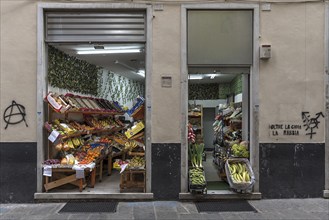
point(195, 154)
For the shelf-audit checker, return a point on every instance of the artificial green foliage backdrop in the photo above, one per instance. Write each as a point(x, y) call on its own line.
point(203, 91)
point(67, 72)
point(115, 87)
point(215, 91)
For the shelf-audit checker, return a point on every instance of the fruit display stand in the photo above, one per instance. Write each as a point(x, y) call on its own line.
point(61, 175)
point(100, 164)
point(75, 125)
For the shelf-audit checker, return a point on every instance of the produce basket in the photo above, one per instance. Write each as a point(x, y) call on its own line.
point(197, 188)
point(234, 169)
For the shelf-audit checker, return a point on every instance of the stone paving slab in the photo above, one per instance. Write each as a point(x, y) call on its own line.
point(311, 209)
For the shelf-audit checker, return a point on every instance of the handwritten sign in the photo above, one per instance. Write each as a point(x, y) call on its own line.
point(308, 126)
point(47, 171)
point(80, 173)
point(53, 136)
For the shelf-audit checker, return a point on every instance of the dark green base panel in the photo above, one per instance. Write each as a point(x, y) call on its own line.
point(18, 168)
point(166, 174)
point(291, 170)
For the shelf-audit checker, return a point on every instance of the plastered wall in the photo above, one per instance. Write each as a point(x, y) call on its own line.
point(166, 61)
point(292, 81)
point(18, 67)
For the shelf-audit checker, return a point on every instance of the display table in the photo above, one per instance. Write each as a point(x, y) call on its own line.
point(132, 180)
point(62, 176)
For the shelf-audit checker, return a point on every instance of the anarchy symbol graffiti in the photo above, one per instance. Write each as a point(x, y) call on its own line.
point(19, 114)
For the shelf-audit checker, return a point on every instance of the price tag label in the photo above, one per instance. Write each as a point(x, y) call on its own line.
point(47, 171)
point(123, 167)
point(53, 136)
point(80, 173)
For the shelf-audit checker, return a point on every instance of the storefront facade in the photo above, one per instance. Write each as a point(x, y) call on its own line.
point(288, 105)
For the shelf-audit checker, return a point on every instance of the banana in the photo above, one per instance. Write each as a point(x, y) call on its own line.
point(230, 168)
point(76, 142)
point(240, 177)
point(70, 144)
point(233, 169)
point(237, 178)
point(247, 177)
point(244, 176)
point(237, 168)
point(244, 167)
point(233, 177)
point(240, 168)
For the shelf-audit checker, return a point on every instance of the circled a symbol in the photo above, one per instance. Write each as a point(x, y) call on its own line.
point(9, 113)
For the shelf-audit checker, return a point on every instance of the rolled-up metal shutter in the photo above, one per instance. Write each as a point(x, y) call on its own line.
point(95, 26)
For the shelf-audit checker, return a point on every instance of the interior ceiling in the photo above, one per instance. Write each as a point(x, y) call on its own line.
point(226, 74)
point(127, 64)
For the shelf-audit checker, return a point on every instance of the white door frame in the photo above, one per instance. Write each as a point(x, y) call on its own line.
point(254, 93)
point(42, 76)
point(326, 95)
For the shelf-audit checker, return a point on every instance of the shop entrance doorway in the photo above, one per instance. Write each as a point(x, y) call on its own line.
point(95, 67)
point(218, 119)
point(220, 66)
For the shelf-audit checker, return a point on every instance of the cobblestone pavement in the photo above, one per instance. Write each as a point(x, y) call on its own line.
point(266, 209)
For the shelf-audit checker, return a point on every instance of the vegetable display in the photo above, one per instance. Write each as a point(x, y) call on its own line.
point(239, 172)
point(195, 154)
point(190, 134)
point(197, 176)
point(240, 150)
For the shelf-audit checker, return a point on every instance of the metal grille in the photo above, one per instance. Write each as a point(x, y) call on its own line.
point(95, 27)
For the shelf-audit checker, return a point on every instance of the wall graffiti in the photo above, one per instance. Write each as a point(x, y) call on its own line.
point(14, 110)
point(311, 123)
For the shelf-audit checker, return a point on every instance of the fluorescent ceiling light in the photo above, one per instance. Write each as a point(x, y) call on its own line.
point(84, 52)
point(194, 76)
point(141, 73)
point(212, 76)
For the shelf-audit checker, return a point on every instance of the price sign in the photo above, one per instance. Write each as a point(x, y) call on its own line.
point(53, 136)
point(80, 173)
point(47, 171)
point(123, 167)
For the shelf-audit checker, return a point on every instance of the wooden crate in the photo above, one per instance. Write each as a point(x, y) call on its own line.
point(139, 113)
point(132, 181)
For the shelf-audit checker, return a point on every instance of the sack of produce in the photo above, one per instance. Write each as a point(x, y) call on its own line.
point(239, 173)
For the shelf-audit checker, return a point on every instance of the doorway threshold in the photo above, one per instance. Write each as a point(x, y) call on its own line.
point(59, 196)
point(220, 194)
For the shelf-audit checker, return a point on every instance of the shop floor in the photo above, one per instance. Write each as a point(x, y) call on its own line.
point(93, 206)
point(225, 206)
point(217, 185)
